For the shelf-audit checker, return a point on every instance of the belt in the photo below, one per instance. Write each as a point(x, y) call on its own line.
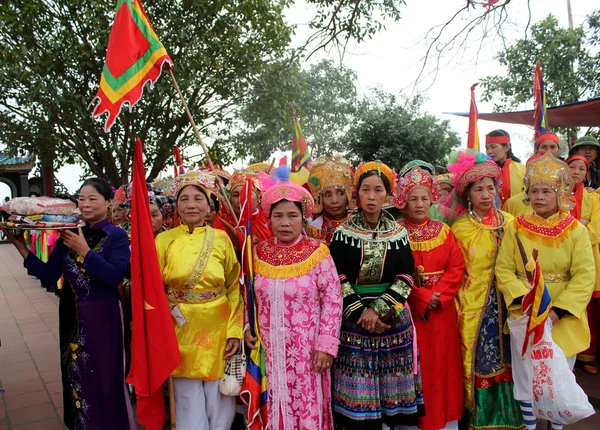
point(551, 277)
point(371, 289)
point(429, 279)
point(195, 296)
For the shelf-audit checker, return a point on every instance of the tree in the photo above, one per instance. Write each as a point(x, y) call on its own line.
point(397, 133)
point(324, 97)
point(569, 65)
point(52, 55)
point(52, 52)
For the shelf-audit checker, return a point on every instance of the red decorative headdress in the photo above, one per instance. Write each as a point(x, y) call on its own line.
point(417, 178)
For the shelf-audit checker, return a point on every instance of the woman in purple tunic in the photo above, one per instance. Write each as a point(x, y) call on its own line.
point(93, 262)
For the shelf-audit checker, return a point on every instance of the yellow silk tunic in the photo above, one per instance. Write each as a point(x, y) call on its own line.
point(567, 265)
point(201, 274)
point(517, 173)
point(478, 245)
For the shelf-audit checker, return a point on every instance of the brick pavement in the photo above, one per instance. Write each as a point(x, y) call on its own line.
point(29, 357)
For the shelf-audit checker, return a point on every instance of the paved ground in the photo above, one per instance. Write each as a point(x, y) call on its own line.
point(31, 396)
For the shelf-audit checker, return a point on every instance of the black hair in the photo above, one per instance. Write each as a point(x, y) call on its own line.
point(215, 202)
point(274, 205)
point(499, 133)
point(100, 185)
point(468, 188)
point(369, 173)
point(198, 187)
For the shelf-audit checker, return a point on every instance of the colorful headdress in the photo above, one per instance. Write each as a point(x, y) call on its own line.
point(417, 178)
point(201, 178)
point(417, 163)
point(379, 167)
point(326, 173)
point(239, 179)
point(166, 184)
point(446, 178)
point(120, 196)
point(280, 187)
point(553, 172)
point(470, 166)
point(547, 136)
point(258, 167)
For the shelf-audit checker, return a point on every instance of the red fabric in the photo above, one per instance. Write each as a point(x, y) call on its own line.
point(580, 158)
point(473, 133)
point(593, 313)
point(505, 181)
point(497, 139)
point(441, 364)
point(547, 136)
point(578, 197)
point(154, 349)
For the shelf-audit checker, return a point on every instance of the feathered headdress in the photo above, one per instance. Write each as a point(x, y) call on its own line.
point(284, 185)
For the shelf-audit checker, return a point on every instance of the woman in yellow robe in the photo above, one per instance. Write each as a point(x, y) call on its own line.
point(559, 238)
point(201, 275)
point(498, 147)
point(485, 349)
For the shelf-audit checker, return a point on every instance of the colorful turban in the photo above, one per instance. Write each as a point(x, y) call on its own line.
point(553, 172)
point(417, 163)
point(203, 179)
point(381, 169)
point(417, 178)
point(280, 187)
point(470, 166)
point(326, 173)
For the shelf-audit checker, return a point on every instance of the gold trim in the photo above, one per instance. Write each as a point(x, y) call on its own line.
point(199, 266)
point(195, 296)
point(291, 270)
point(430, 244)
point(551, 277)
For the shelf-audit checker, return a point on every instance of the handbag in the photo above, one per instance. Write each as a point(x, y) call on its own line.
point(235, 371)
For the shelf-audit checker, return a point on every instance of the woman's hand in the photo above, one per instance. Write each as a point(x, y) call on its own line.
point(231, 348)
point(584, 222)
point(18, 240)
point(368, 320)
point(322, 361)
point(553, 316)
point(435, 301)
point(76, 242)
point(381, 327)
point(250, 340)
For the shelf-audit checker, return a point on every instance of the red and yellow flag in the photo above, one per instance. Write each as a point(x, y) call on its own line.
point(539, 96)
point(134, 56)
point(473, 136)
point(300, 152)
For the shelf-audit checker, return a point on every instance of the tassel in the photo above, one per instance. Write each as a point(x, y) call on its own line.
point(352, 244)
point(359, 244)
point(389, 246)
point(346, 239)
point(397, 246)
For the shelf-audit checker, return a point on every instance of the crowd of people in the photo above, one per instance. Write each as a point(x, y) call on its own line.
point(381, 298)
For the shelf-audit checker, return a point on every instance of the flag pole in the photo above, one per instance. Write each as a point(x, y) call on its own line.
point(204, 148)
point(172, 404)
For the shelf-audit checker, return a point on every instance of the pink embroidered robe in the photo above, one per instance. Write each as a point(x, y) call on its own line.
point(299, 306)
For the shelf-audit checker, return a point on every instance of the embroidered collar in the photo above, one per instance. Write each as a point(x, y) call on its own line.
point(427, 235)
point(275, 260)
point(550, 232)
point(357, 229)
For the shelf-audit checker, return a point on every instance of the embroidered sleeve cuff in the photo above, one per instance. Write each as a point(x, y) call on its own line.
point(396, 294)
point(353, 306)
point(328, 344)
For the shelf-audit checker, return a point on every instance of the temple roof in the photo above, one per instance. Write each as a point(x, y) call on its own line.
point(16, 163)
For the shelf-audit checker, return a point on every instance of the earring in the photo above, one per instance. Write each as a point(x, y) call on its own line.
point(470, 207)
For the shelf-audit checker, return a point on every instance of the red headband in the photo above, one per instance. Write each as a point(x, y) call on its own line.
point(505, 140)
point(547, 136)
point(579, 157)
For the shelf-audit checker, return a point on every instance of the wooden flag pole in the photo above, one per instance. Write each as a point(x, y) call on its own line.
point(172, 404)
point(204, 148)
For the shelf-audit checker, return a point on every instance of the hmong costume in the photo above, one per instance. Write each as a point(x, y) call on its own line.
point(323, 227)
point(440, 269)
point(91, 328)
point(299, 305)
point(376, 376)
point(485, 347)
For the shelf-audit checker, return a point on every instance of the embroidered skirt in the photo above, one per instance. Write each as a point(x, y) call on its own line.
point(374, 378)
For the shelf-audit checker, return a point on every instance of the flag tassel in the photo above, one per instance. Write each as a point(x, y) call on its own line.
point(211, 165)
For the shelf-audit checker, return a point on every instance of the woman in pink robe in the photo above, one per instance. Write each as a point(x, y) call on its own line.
point(299, 308)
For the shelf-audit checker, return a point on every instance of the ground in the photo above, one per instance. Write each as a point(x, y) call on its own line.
point(30, 397)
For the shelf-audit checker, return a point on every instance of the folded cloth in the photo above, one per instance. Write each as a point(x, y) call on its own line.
point(40, 205)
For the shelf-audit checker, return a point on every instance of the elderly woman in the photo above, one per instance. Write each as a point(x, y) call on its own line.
point(485, 348)
point(441, 269)
point(93, 263)
point(201, 274)
point(299, 308)
point(330, 183)
point(377, 380)
point(559, 238)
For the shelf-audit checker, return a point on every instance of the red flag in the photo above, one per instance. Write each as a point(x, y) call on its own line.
point(473, 136)
point(134, 56)
point(154, 349)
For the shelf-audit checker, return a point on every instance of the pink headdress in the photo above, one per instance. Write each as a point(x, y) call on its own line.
point(417, 178)
point(470, 166)
point(280, 186)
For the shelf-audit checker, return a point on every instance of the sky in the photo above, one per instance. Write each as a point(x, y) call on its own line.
point(393, 58)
